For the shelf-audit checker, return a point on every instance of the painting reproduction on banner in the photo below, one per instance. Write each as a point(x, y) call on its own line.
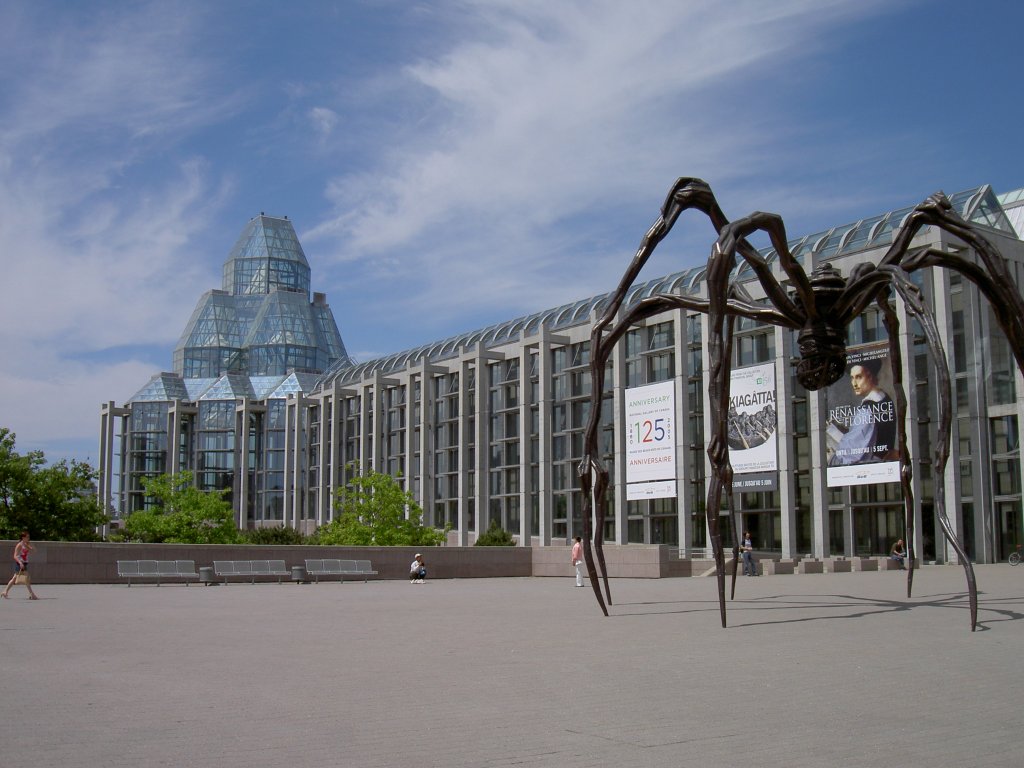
point(860, 429)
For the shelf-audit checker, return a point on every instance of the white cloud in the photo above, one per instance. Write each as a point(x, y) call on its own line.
point(323, 121)
point(552, 111)
point(58, 400)
point(510, 168)
point(95, 255)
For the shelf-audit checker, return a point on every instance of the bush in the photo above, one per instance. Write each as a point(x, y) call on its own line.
point(374, 510)
point(274, 535)
point(495, 536)
point(183, 515)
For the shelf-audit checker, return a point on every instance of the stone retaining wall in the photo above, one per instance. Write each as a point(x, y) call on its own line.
point(57, 562)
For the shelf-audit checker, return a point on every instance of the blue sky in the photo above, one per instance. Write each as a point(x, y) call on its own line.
point(447, 165)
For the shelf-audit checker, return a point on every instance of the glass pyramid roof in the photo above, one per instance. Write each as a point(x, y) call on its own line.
point(230, 386)
point(163, 387)
point(262, 323)
point(1013, 204)
point(196, 387)
point(266, 257)
point(283, 318)
point(294, 383)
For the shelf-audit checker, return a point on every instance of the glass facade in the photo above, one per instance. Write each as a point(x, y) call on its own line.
point(488, 425)
point(262, 322)
point(247, 349)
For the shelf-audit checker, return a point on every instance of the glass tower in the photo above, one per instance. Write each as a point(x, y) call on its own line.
point(260, 340)
point(261, 322)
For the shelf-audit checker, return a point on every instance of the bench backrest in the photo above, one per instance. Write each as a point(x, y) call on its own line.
point(347, 566)
point(224, 567)
point(148, 568)
point(127, 567)
point(260, 567)
point(333, 566)
point(166, 568)
point(186, 567)
point(364, 566)
point(314, 566)
point(277, 566)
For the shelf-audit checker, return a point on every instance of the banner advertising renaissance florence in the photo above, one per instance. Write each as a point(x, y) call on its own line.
point(860, 427)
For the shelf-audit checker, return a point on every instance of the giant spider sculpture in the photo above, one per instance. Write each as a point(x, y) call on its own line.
point(819, 308)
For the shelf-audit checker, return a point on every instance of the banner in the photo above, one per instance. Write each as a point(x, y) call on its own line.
point(860, 427)
point(753, 482)
point(651, 440)
point(753, 421)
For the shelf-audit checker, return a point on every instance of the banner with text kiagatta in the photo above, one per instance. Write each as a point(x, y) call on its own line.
point(752, 420)
point(651, 435)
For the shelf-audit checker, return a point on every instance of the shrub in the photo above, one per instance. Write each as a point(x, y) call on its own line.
point(274, 535)
point(495, 536)
point(373, 509)
point(183, 515)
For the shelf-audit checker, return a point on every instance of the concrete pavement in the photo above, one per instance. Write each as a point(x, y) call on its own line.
point(814, 670)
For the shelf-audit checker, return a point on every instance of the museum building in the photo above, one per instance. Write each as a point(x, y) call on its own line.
point(488, 425)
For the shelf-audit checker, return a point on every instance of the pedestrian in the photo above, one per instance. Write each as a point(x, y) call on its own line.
point(418, 570)
point(577, 560)
point(749, 566)
point(21, 553)
point(898, 553)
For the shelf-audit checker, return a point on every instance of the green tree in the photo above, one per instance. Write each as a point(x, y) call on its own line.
point(183, 515)
point(495, 536)
point(55, 503)
point(275, 535)
point(373, 509)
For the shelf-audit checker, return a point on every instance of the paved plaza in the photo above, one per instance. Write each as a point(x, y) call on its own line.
point(814, 670)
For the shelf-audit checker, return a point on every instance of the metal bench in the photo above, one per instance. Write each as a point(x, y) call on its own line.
point(365, 569)
point(340, 568)
point(157, 569)
point(269, 568)
point(250, 568)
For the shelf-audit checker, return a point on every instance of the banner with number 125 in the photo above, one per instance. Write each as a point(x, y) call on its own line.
point(651, 433)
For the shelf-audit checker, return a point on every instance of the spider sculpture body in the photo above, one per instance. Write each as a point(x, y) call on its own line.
point(819, 309)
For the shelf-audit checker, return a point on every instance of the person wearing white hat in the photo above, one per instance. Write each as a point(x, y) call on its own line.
point(418, 570)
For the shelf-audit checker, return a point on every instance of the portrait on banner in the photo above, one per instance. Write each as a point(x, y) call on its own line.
point(860, 427)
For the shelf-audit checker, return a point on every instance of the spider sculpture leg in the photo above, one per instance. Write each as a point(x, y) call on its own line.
point(586, 478)
point(892, 327)
point(686, 193)
point(889, 275)
point(593, 467)
point(727, 475)
point(916, 306)
point(721, 292)
point(719, 350)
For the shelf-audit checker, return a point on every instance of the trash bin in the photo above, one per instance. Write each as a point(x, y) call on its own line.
point(299, 575)
point(206, 575)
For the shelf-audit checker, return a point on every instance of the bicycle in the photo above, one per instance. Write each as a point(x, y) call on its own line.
point(1015, 557)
